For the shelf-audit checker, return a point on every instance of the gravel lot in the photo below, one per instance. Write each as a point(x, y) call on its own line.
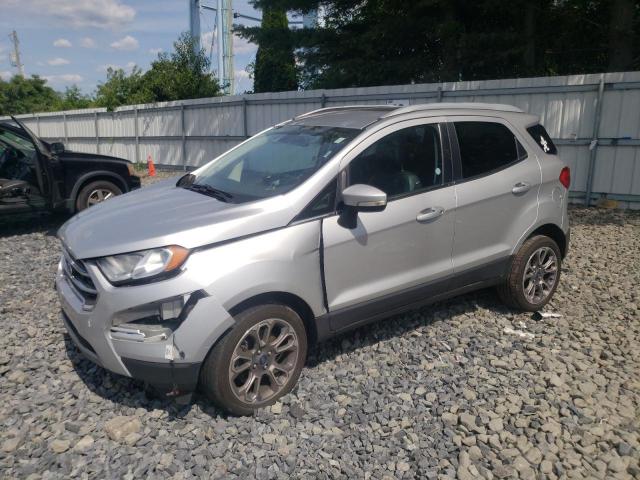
point(463, 388)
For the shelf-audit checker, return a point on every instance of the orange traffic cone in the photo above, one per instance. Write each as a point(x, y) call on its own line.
point(151, 167)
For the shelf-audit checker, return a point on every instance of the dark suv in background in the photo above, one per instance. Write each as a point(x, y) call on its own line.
point(36, 175)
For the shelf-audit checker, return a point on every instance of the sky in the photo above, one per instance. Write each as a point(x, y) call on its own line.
point(73, 42)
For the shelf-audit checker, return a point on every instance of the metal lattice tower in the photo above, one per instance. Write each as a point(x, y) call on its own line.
point(224, 35)
point(225, 27)
point(15, 58)
point(224, 38)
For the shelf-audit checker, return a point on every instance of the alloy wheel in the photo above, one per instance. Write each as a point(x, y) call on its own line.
point(99, 195)
point(540, 275)
point(263, 361)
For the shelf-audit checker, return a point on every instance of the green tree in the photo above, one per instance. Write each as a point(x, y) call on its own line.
point(122, 89)
point(274, 69)
point(380, 42)
point(26, 95)
point(181, 75)
point(73, 99)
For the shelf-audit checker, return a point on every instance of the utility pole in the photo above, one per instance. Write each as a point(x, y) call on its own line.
point(224, 39)
point(224, 35)
point(220, 32)
point(15, 60)
point(194, 23)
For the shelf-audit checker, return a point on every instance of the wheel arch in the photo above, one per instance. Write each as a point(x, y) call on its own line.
point(552, 231)
point(85, 179)
point(290, 300)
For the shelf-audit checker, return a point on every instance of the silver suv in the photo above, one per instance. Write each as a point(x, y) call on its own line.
point(325, 222)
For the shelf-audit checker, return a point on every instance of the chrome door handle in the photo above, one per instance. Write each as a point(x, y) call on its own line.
point(429, 214)
point(521, 187)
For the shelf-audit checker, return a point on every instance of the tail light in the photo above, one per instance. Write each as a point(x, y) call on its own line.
point(565, 177)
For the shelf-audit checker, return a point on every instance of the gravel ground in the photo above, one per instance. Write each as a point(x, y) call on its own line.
point(463, 388)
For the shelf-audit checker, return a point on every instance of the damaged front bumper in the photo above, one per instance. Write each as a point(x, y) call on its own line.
point(159, 333)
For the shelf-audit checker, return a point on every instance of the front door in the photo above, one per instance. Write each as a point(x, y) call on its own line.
point(408, 244)
point(19, 161)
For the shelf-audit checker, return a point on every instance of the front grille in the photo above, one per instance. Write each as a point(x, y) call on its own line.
point(76, 272)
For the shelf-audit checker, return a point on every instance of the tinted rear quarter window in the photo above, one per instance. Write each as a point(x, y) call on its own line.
point(542, 138)
point(486, 147)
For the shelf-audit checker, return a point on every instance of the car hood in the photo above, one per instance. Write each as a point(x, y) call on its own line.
point(162, 215)
point(71, 155)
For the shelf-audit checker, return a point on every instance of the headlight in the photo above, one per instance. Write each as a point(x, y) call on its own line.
point(145, 264)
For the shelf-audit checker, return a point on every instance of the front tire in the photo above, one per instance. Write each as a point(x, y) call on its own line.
point(96, 192)
point(258, 361)
point(533, 276)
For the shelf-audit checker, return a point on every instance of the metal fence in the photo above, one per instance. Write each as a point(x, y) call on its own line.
point(594, 119)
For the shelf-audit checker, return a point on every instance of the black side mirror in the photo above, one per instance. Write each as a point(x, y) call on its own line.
point(14, 188)
point(56, 147)
point(360, 198)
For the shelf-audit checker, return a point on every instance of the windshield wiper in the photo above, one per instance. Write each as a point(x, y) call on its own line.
point(209, 190)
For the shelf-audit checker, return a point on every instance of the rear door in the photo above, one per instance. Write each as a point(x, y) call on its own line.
point(409, 243)
point(497, 185)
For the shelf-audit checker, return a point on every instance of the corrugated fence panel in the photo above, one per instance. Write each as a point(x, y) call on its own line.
point(51, 127)
point(119, 148)
point(163, 152)
point(88, 146)
point(81, 126)
point(224, 120)
point(192, 132)
point(158, 123)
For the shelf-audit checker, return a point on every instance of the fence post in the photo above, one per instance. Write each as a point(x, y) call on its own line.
point(64, 124)
point(183, 152)
point(95, 129)
point(245, 130)
point(593, 147)
point(135, 129)
point(38, 125)
point(439, 93)
point(323, 100)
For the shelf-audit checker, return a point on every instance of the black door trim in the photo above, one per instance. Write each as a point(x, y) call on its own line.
point(339, 321)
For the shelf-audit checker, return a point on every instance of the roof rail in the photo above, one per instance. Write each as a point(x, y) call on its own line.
point(345, 107)
point(453, 106)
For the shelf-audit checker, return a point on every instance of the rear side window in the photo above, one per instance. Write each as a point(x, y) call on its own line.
point(542, 138)
point(486, 147)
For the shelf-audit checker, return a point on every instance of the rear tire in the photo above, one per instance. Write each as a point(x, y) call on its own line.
point(258, 361)
point(533, 276)
point(96, 192)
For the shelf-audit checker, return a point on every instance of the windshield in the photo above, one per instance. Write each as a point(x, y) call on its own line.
point(274, 162)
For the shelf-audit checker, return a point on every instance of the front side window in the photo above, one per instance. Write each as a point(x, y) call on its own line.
point(17, 158)
point(274, 162)
point(404, 162)
point(486, 147)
